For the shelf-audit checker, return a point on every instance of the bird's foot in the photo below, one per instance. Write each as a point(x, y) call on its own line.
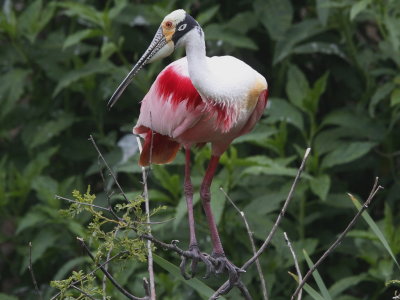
point(195, 256)
point(221, 264)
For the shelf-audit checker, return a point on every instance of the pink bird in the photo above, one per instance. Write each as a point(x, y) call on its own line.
point(195, 100)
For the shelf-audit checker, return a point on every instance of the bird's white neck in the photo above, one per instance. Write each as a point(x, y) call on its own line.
point(197, 60)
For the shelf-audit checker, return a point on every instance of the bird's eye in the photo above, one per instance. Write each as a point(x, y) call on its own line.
point(182, 27)
point(168, 24)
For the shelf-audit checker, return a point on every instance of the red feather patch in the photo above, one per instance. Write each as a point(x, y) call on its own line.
point(179, 88)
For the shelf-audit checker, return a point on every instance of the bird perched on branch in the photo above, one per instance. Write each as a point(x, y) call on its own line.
point(195, 100)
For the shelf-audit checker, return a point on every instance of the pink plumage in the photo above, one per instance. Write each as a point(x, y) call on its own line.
point(195, 100)
point(174, 110)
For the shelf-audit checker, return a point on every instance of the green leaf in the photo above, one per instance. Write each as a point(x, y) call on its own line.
point(323, 10)
point(313, 293)
point(374, 227)
point(295, 35)
point(357, 7)
point(50, 129)
point(357, 124)
point(218, 200)
point(273, 169)
point(94, 66)
point(381, 93)
point(275, 15)
point(12, 85)
point(320, 186)
point(70, 265)
point(46, 188)
point(114, 12)
point(319, 47)
point(8, 21)
point(395, 97)
point(79, 36)
point(315, 93)
point(317, 278)
point(343, 284)
point(108, 49)
point(283, 111)
point(221, 33)
point(346, 153)
point(204, 290)
point(205, 16)
point(86, 12)
point(31, 219)
point(43, 241)
point(169, 182)
point(297, 86)
point(7, 297)
point(181, 210)
point(28, 19)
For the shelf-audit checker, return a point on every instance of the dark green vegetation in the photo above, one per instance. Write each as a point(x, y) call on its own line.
point(333, 70)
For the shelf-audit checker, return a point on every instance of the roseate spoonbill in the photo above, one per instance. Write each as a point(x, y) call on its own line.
point(195, 100)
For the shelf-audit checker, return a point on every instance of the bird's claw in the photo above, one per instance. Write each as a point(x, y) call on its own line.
point(195, 256)
point(222, 264)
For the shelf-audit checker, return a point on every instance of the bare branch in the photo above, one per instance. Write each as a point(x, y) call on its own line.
point(223, 289)
point(104, 282)
point(82, 203)
point(108, 167)
point(33, 273)
point(372, 194)
point(83, 292)
point(147, 210)
point(296, 263)
point(93, 271)
point(109, 276)
point(253, 245)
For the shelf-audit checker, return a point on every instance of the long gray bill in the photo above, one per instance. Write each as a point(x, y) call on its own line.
point(156, 44)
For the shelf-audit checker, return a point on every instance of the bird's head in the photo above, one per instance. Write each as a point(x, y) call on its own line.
point(169, 36)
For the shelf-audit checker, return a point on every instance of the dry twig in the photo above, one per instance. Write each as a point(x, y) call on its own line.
point(226, 287)
point(92, 272)
point(253, 245)
point(152, 285)
point(372, 194)
point(296, 263)
point(33, 273)
point(109, 276)
point(108, 167)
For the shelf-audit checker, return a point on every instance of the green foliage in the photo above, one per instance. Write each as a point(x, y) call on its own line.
point(333, 71)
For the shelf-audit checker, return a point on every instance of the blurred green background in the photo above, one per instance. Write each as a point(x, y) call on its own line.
point(333, 72)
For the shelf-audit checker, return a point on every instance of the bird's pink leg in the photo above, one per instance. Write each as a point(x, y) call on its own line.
point(188, 187)
point(194, 252)
point(220, 261)
point(206, 200)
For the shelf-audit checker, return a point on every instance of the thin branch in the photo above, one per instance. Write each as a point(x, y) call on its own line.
point(104, 283)
point(83, 292)
point(108, 167)
point(147, 210)
point(296, 263)
point(33, 273)
point(372, 194)
point(243, 289)
point(110, 211)
point(82, 203)
point(92, 272)
point(253, 245)
point(226, 287)
point(109, 276)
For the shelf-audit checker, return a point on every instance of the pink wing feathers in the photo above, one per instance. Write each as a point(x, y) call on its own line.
point(171, 106)
point(173, 113)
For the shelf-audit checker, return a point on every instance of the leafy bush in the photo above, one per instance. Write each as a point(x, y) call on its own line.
point(333, 72)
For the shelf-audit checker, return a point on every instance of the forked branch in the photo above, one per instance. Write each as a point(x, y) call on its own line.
point(372, 194)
